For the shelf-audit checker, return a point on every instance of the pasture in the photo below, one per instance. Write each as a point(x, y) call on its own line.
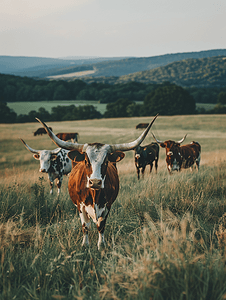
point(165, 235)
point(26, 107)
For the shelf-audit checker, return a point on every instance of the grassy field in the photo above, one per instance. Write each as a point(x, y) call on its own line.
point(165, 235)
point(26, 107)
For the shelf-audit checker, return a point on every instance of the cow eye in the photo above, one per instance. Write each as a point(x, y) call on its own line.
point(87, 163)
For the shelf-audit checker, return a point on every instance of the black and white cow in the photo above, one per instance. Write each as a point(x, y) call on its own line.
point(53, 162)
point(146, 156)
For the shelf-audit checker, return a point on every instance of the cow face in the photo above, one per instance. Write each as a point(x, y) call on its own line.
point(96, 159)
point(45, 157)
point(173, 156)
point(139, 156)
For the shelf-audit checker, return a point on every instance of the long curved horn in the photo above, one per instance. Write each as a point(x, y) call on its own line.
point(29, 148)
point(79, 147)
point(181, 141)
point(134, 144)
point(159, 142)
point(59, 142)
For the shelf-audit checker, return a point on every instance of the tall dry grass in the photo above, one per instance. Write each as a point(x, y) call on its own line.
point(165, 235)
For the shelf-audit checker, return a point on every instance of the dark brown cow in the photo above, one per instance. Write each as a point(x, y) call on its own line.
point(41, 131)
point(93, 183)
point(68, 136)
point(146, 155)
point(178, 157)
point(142, 125)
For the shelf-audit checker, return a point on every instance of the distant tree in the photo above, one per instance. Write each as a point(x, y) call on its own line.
point(85, 95)
point(218, 109)
point(118, 109)
point(221, 98)
point(7, 115)
point(168, 100)
point(60, 93)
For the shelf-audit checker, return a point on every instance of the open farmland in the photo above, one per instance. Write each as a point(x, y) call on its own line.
point(26, 107)
point(165, 235)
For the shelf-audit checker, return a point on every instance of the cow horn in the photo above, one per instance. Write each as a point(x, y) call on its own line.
point(55, 151)
point(29, 148)
point(79, 147)
point(159, 142)
point(134, 144)
point(59, 142)
point(181, 141)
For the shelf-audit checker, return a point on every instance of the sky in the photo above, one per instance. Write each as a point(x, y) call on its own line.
point(104, 28)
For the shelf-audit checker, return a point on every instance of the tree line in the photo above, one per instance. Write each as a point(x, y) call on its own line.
point(165, 100)
point(19, 89)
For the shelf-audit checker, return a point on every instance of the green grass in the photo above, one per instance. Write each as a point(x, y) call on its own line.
point(26, 107)
point(165, 235)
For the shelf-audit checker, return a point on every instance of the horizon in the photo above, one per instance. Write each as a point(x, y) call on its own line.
point(71, 57)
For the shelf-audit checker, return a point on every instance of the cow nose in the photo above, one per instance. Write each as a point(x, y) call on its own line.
point(95, 183)
point(43, 170)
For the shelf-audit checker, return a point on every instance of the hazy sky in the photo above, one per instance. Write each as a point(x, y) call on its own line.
point(60, 28)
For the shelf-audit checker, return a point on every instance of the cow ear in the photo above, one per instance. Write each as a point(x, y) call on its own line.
point(116, 156)
point(76, 156)
point(36, 156)
point(163, 145)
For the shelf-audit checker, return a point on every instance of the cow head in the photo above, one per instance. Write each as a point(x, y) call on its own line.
point(96, 156)
point(44, 156)
point(173, 155)
point(139, 154)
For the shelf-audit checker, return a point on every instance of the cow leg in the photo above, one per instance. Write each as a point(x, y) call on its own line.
point(100, 227)
point(85, 225)
point(198, 161)
point(59, 182)
point(138, 173)
point(156, 165)
point(51, 186)
point(142, 171)
point(151, 166)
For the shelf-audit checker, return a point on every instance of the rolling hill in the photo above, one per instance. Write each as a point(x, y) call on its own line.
point(202, 72)
point(102, 66)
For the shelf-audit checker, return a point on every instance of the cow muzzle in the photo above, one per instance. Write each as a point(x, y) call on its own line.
point(43, 170)
point(95, 184)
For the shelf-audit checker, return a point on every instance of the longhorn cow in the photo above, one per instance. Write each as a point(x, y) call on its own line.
point(53, 162)
point(146, 155)
point(178, 157)
point(93, 183)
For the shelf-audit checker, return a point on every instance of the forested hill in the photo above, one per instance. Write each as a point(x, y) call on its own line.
point(134, 65)
point(100, 67)
point(203, 72)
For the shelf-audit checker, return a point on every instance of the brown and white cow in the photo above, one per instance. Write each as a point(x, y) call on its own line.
point(93, 183)
point(178, 157)
point(65, 136)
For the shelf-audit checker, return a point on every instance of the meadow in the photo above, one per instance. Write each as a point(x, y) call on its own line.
point(165, 235)
point(26, 107)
